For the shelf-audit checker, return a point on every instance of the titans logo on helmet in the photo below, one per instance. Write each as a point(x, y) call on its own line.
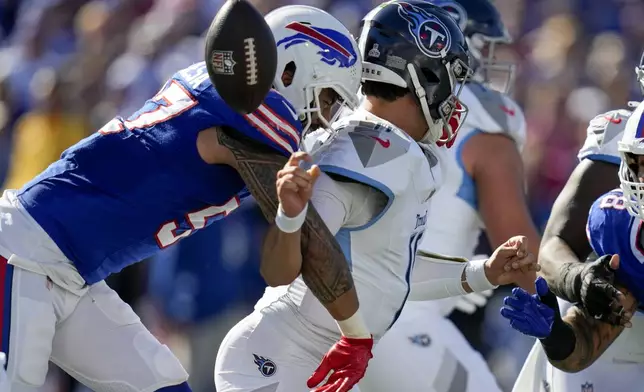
point(335, 48)
point(455, 10)
point(265, 365)
point(431, 35)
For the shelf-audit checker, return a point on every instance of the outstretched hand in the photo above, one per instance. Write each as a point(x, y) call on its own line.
point(295, 184)
point(598, 294)
point(512, 263)
point(531, 315)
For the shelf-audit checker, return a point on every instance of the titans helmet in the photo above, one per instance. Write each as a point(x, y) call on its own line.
point(415, 45)
point(483, 28)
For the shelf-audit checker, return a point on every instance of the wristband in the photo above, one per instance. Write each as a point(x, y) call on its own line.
point(561, 342)
point(290, 225)
point(354, 327)
point(475, 276)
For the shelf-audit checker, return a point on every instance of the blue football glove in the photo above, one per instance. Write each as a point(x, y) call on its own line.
point(527, 313)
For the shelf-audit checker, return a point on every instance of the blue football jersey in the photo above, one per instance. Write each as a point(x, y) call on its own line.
point(612, 230)
point(139, 184)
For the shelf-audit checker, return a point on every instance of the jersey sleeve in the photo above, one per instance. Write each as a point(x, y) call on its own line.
point(347, 153)
point(274, 123)
point(492, 112)
point(603, 133)
point(344, 204)
point(596, 225)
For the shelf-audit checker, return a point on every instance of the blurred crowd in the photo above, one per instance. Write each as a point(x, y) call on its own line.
point(68, 66)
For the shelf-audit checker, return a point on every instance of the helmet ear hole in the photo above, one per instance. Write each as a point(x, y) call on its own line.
point(288, 74)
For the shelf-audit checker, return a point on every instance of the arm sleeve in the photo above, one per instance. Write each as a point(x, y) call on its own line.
point(435, 278)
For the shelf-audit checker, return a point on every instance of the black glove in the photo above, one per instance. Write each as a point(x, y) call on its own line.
point(591, 286)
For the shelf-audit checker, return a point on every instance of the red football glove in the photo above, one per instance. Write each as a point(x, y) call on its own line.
point(348, 360)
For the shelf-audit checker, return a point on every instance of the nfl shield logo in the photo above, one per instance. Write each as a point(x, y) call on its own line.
point(222, 62)
point(587, 387)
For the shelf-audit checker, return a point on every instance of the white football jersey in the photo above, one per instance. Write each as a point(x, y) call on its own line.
point(455, 223)
point(602, 135)
point(454, 214)
point(372, 151)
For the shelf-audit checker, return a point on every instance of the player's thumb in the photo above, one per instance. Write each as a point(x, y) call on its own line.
point(614, 262)
point(314, 172)
point(542, 286)
point(319, 374)
point(545, 295)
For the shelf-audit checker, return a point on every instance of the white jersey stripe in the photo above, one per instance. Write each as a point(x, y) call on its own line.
point(279, 122)
point(269, 132)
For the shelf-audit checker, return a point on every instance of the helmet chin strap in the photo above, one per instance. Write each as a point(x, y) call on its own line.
point(435, 128)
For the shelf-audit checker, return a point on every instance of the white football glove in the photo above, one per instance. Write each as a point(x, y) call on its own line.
point(470, 302)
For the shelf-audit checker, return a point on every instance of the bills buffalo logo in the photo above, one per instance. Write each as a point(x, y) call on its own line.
point(455, 10)
point(334, 47)
point(431, 35)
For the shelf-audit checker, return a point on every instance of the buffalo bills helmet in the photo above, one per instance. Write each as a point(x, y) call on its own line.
point(630, 147)
point(318, 52)
point(417, 46)
point(481, 23)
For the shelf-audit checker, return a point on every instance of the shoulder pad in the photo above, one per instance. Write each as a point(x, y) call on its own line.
point(367, 152)
point(607, 212)
point(491, 111)
point(602, 135)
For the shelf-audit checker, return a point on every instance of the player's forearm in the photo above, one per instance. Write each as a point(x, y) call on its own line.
point(559, 266)
point(281, 257)
point(591, 338)
point(324, 267)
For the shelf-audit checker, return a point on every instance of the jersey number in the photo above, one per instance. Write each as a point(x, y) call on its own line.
point(612, 201)
point(167, 234)
point(171, 101)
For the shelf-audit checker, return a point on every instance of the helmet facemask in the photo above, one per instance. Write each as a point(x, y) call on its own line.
point(487, 69)
point(631, 185)
point(443, 119)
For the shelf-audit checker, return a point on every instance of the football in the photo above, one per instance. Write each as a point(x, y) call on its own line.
point(241, 55)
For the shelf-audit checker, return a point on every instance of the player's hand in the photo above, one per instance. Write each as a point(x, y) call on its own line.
point(532, 315)
point(470, 302)
point(347, 360)
point(598, 294)
point(295, 184)
point(512, 263)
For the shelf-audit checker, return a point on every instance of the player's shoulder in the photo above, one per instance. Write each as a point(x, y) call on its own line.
point(275, 107)
point(609, 210)
point(602, 135)
point(491, 111)
point(367, 151)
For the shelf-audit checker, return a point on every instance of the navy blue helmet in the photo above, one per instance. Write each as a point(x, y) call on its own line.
point(483, 28)
point(417, 46)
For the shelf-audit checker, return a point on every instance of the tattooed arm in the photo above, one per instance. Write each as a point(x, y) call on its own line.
point(324, 267)
point(592, 337)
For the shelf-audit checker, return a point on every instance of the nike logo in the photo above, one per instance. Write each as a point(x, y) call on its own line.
point(507, 110)
point(613, 120)
point(384, 143)
point(288, 107)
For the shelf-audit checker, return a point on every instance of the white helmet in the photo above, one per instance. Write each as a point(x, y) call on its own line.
point(322, 54)
point(631, 145)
